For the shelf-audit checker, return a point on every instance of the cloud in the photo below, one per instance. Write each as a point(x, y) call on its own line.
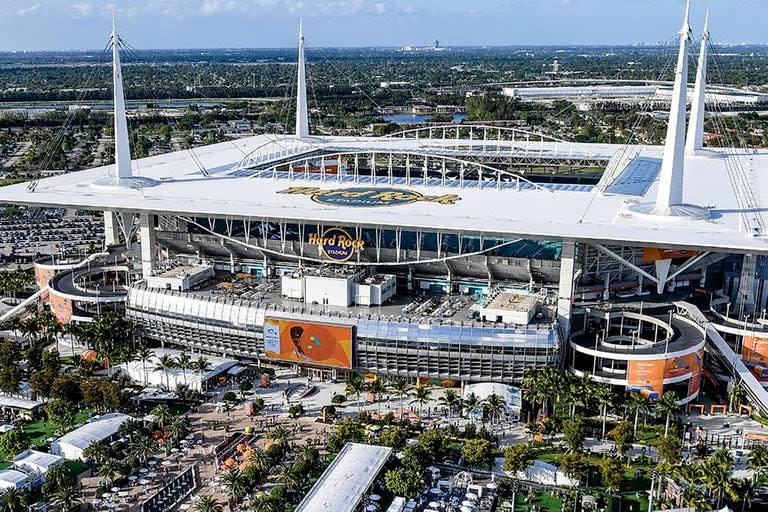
point(380, 8)
point(27, 10)
point(82, 9)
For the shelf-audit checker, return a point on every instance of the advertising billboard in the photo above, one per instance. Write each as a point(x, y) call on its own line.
point(679, 366)
point(646, 377)
point(754, 350)
point(308, 342)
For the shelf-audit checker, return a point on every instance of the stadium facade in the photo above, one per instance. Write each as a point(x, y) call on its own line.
point(430, 254)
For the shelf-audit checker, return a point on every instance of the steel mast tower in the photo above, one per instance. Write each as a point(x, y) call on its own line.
point(302, 118)
point(695, 138)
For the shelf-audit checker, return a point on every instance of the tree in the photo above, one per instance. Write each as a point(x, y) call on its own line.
point(377, 387)
point(517, 457)
point(421, 396)
point(165, 363)
point(66, 497)
point(605, 398)
point(450, 400)
point(202, 366)
point(235, 483)
point(13, 442)
point(736, 397)
point(403, 482)
point(394, 437)
point(434, 442)
point(10, 372)
point(354, 386)
point(184, 363)
point(478, 452)
point(668, 406)
point(471, 404)
point(61, 413)
point(574, 433)
point(14, 500)
point(208, 503)
point(743, 490)
point(144, 355)
point(623, 435)
point(670, 448)
point(611, 473)
point(96, 454)
point(66, 388)
point(400, 387)
point(109, 471)
point(575, 465)
point(296, 411)
point(638, 403)
point(495, 405)
point(263, 502)
point(758, 461)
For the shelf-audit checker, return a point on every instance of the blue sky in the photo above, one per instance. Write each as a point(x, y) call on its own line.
point(77, 24)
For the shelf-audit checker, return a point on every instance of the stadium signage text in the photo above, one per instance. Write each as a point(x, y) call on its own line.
point(336, 244)
point(369, 197)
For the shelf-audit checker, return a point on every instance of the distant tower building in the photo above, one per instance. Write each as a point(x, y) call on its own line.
point(556, 67)
point(437, 44)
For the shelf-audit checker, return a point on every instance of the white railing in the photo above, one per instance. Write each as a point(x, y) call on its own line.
point(482, 136)
point(741, 373)
point(274, 150)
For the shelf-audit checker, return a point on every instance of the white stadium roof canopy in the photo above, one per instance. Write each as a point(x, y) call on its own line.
point(573, 214)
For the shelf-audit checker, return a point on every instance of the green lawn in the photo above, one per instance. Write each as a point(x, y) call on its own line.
point(39, 431)
point(75, 466)
point(544, 501)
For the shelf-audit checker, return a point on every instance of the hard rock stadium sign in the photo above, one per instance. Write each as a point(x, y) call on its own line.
point(369, 197)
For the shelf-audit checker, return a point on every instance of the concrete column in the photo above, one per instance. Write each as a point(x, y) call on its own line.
point(148, 241)
point(565, 290)
point(111, 229)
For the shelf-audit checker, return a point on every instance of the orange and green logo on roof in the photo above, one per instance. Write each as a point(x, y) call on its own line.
point(369, 197)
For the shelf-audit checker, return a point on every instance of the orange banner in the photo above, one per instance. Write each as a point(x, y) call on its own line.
point(305, 342)
point(679, 366)
point(646, 377)
point(754, 350)
point(651, 254)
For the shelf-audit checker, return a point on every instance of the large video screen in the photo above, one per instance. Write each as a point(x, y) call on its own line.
point(306, 342)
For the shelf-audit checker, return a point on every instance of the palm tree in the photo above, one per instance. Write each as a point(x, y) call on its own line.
point(208, 503)
point(450, 400)
point(15, 500)
point(743, 490)
point(377, 387)
point(736, 397)
point(66, 497)
point(162, 414)
point(109, 471)
point(184, 363)
point(638, 403)
point(236, 483)
point(145, 355)
point(279, 434)
point(202, 366)
point(96, 453)
point(495, 406)
point(142, 449)
point(131, 429)
point(471, 404)
point(669, 406)
point(308, 453)
point(165, 363)
point(421, 396)
point(758, 461)
point(262, 502)
point(176, 430)
point(605, 397)
point(400, 387)
point(355, 385)
point(715, 472)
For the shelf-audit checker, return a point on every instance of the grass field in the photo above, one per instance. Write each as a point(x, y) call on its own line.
point(39, 431)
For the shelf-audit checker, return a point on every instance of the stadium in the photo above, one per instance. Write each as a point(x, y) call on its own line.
point(429, 254)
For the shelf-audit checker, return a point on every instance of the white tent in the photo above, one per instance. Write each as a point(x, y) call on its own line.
point(36, 464)
point(72, 445)
point(12, 478)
